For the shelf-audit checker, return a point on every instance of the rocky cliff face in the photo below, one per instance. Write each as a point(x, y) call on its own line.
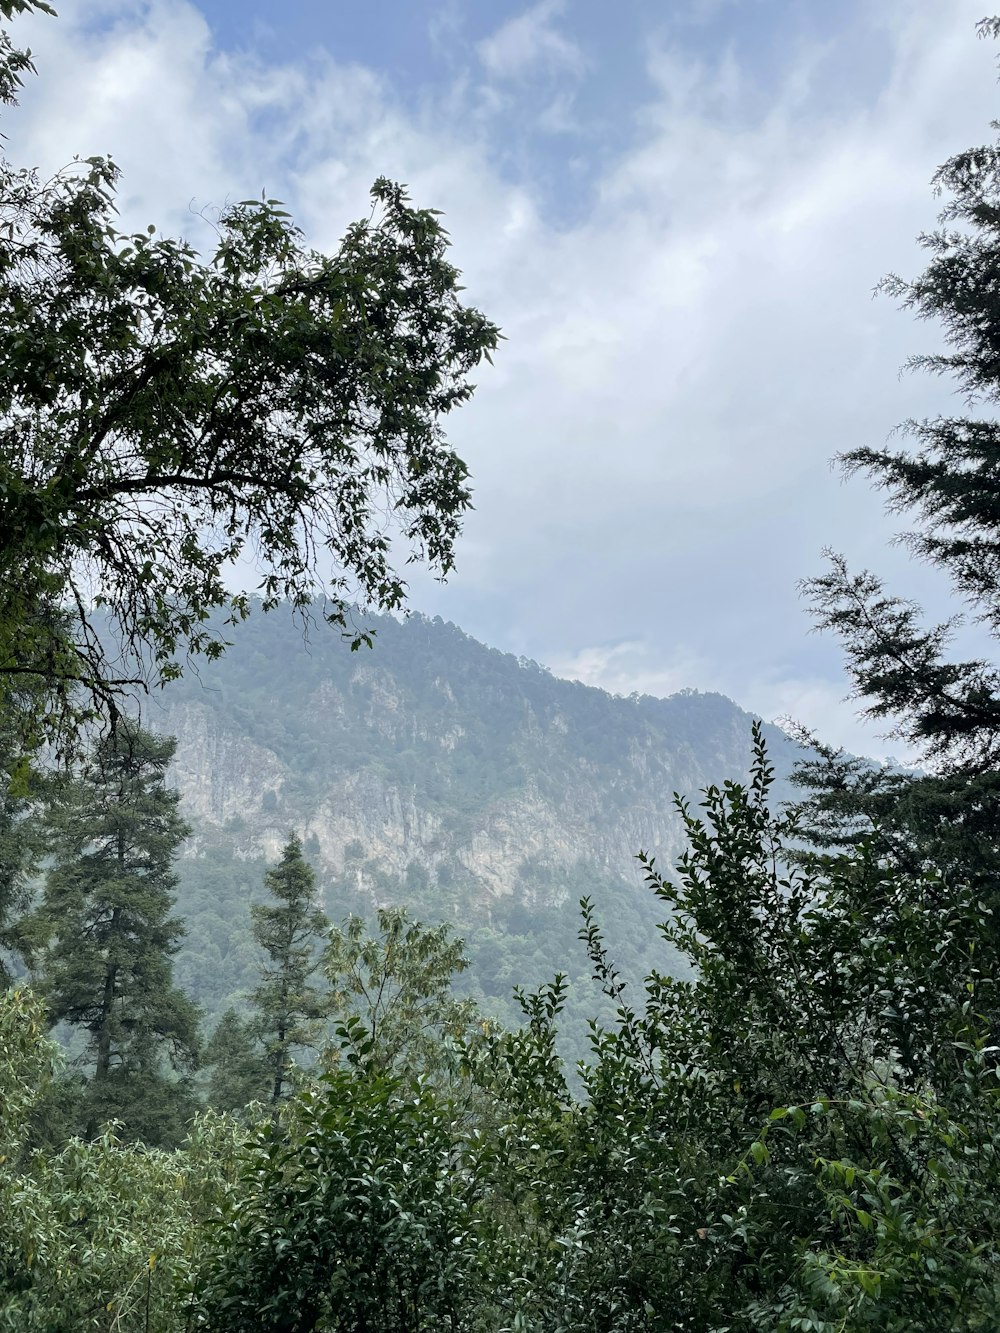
point(473, 787)
point(434, 751)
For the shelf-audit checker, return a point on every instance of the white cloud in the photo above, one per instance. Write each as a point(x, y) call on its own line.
point(824, 708)
point(818, 704)
point(650, 453)
point(632, 667)
point(529, 43)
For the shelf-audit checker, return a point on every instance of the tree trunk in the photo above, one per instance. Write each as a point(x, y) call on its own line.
point(279, 1066)
point(107, 1003)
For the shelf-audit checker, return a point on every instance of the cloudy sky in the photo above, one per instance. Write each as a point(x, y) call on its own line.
point(676, 209)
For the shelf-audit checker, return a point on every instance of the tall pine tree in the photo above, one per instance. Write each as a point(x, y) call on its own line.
point(290, 932)
point(947, 478)
point(106, 966)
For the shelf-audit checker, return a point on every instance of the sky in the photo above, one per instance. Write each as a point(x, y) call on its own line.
point(678, 213)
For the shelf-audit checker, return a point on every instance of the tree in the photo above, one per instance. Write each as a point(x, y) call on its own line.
point(390, 993)
point(164, 414)
point(108, 935)
point(98, 1235)
point(13, 61)
point(288, 1006)
point(948, 479)
point(800, 1136)
point(240, 1071)
point(358, 1212)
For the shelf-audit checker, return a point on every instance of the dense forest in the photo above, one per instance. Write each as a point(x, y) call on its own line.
point(785, 1114)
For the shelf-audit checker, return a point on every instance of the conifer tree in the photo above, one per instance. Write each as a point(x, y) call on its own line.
point(240, 1073)
point(290, 933)
point(946, 476)
point(106, 965)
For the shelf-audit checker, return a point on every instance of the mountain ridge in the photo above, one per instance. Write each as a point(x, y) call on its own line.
point(432, 771)
point(432, 746)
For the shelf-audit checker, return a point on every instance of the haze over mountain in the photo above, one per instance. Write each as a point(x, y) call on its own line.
point(434, 771)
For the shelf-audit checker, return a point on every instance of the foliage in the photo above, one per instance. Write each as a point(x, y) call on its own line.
point(390, 993)
point(98, 1236)
point(288, 1005)
point(801, 1132)
point(912, 1245)
point(945, 479)
point(950, 709)
point(240, 1071)
point(802, 1135)
point(15, 61)
point(27, 1062)
point(104, 934)
point(827, 1060)
point(21, 788)
point(164, 414)
point(359, 1214)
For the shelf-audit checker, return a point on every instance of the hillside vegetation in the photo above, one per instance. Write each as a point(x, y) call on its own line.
point(434, 772)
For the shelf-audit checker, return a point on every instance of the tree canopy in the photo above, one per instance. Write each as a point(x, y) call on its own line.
point(109, 936)
point(164, 414)
point(289, 931)
point(948, 481)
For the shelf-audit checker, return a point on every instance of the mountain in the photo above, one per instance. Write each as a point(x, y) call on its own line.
point(432, 770)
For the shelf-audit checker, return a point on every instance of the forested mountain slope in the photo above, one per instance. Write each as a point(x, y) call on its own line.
point(435, 771)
